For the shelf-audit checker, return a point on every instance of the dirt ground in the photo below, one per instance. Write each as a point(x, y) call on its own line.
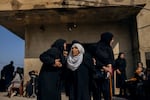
point(3, 96)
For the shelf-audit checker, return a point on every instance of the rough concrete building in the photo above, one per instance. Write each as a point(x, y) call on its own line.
point(41, 22)
point(143, 22)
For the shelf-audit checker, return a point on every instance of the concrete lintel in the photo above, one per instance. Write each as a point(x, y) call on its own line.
point(17, 21)
point(10, 5)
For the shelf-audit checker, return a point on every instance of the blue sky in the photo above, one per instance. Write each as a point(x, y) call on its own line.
point(11, 48)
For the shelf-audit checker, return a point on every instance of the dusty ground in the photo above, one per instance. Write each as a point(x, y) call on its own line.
point(3, 96)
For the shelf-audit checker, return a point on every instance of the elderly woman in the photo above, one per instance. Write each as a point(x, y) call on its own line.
point(81, 68)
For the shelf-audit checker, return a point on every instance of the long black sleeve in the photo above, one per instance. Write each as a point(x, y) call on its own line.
point(89, 62)
point(48, 57)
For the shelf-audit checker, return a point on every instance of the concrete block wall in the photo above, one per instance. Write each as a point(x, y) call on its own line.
point(143, 20)
point(37, 40)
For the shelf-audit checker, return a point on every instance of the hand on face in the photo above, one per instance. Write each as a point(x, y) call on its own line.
point(65, 53)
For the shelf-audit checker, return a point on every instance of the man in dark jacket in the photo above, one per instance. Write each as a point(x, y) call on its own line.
point(104, 60)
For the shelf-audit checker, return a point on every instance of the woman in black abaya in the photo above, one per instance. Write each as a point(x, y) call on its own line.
point(81, 68)
point(49, 78)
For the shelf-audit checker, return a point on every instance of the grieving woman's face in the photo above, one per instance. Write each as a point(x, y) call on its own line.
point(75, 51)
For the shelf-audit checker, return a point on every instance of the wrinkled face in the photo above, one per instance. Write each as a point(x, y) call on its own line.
point(65, 46)
point(75, 51)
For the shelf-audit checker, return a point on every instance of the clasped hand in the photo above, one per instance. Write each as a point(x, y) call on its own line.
point(57, 63)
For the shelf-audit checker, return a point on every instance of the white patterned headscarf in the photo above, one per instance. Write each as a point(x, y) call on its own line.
point(73, 62)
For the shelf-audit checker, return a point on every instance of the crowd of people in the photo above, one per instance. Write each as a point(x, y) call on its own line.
point(86, 73)
point(139, 84)
point(79, 72)
point(11, 79)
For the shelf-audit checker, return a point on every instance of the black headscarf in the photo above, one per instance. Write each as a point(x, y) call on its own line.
point(104, 53)
point(106, 37)
point(59, 44)
point(74, 41)
point(119, 56)
point(120, 63)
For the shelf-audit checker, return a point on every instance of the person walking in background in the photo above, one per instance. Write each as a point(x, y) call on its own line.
point(81, 68)
point(120, 64)
point(8, 73)
point(49, 77)
point(104, 61)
